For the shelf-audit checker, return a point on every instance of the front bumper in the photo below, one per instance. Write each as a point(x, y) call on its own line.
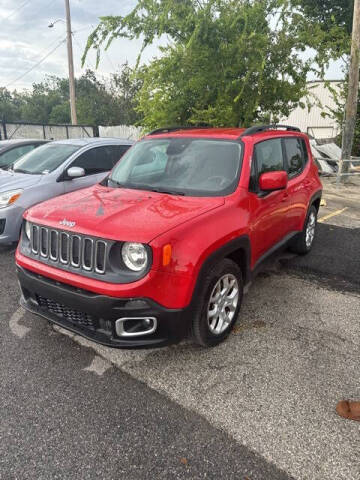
point(93, 315)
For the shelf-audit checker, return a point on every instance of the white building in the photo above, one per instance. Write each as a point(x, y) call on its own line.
point(313, 121)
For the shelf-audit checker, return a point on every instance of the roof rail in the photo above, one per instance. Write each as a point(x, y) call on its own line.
point(263, 128)
point(159, 131)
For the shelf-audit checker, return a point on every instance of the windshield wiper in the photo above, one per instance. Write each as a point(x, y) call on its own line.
point(139, 186)
point(169, 192)
point(118, 184)
point(20, 170)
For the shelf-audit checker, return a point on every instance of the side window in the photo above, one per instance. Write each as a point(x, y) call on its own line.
point(87, 161)
point(121, 149)
point(304, 147)
point(269, 156)
point(97, 160)
point(253, 176)
point(295, 150)
point(115, 152)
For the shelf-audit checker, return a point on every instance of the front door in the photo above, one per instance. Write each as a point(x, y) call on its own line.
point(269, 222)
point(96, 162)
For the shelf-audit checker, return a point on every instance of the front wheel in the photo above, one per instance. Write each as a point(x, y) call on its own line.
point(303, 242)
point(219, 307)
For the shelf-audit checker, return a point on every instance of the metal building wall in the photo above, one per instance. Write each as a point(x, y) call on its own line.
point(313, 122)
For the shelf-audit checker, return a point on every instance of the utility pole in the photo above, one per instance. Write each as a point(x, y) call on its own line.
point(352, 98)
point(71, 64)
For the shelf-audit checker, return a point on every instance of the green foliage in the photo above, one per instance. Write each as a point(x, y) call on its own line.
point(339, 95)
point(227, 62)
point(97, 102)
point(325, 26)
point(328, 12)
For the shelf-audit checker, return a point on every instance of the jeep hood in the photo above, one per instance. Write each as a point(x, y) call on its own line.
point(12, 181)
point(120, 214)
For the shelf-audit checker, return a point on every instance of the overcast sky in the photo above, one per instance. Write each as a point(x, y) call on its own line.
point(25, 39)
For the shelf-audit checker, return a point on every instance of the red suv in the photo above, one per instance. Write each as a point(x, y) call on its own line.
point(165, 244)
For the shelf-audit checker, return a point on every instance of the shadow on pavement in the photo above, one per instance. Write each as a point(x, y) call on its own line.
point(334, 259)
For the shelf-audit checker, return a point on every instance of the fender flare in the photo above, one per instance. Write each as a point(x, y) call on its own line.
point(316, 196)
point(239, 243)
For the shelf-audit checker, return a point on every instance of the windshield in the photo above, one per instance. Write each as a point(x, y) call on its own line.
point(44, 159)
point(180, 166)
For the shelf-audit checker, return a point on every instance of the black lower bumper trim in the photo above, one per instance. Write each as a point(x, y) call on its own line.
point(93, 316)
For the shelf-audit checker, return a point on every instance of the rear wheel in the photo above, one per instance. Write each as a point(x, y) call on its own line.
point(220, 304)
point(303, 242)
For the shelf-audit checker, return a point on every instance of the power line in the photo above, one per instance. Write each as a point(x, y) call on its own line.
point(43, 8)
point(36, 64)
point(81, 48)
point(17, 10)
point(107, 55)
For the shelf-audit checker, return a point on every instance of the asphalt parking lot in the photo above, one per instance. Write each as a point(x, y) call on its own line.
point(259, 406)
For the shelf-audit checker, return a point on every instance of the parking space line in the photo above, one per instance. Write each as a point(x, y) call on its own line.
point(332, 214)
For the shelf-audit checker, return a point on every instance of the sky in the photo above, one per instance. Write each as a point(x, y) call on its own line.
point(25, 39)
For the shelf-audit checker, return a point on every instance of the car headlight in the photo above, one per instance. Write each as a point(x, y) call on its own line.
point(7, 198)
point(135, 256)
point(27, 229)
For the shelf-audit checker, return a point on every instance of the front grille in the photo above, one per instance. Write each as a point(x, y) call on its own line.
point(67, 249)
point(70, 314)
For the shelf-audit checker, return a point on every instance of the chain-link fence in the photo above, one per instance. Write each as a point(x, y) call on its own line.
point(12, 130)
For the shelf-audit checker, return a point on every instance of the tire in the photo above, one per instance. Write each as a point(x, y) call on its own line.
point(303, 242)
point(209, 328)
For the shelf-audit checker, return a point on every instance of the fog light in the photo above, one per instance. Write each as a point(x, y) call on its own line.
point(136, 304)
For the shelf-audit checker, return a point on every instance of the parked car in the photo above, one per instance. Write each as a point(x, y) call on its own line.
point(165, 244)
point(51, 170)
point(11, 150)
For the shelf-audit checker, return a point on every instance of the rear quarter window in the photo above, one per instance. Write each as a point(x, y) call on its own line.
point(296, 155)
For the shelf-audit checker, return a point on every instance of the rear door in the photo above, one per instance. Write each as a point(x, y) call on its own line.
point(269, 211)
point(299, 186)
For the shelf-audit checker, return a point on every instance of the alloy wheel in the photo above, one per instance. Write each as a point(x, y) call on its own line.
point(222, 305)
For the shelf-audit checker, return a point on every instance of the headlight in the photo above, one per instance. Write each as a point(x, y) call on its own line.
point(134, 256)
point(27, 229)
point(7, 198)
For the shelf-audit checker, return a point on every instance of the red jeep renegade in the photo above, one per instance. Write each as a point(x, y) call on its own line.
point(166, 243)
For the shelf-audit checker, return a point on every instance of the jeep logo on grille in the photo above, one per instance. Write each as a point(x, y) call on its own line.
point(66, 223)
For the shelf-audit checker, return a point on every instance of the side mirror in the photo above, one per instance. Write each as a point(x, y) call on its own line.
point(75, 172)
point(271, 181)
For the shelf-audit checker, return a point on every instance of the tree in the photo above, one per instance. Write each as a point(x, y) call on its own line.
point(228, 62)
point(325, 26)
point(124, 86)
point(9, 105)
point(98, 102)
